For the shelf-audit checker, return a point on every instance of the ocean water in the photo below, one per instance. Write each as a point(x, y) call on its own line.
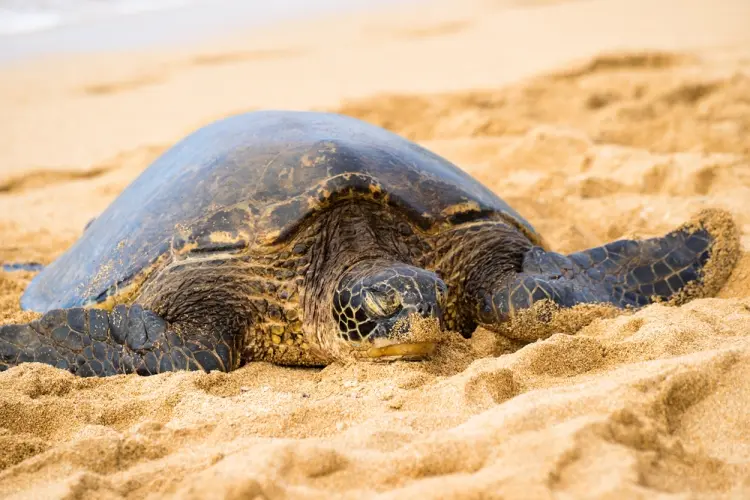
point(38, 27)
point(26, 16)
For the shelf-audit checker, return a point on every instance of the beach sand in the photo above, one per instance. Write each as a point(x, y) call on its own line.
point(595, 119)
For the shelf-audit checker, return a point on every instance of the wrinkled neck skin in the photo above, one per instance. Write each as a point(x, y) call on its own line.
point(474, 260)
point(268, 300)
point(348, 239)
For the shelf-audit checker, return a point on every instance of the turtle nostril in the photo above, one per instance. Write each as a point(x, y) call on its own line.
point(424, 309)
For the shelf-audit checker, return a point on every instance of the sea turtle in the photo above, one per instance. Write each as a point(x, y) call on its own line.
point(301, 238)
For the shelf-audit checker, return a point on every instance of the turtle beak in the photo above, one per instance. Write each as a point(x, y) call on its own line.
point(414, 351)
point(415, 334)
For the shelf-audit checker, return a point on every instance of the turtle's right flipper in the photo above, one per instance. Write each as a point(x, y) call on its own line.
point(94, 342)
point(23, 266)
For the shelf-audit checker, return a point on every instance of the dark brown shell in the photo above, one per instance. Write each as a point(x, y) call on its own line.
point(250, 180)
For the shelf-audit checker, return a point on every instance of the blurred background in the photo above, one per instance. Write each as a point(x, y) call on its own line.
point(29, 27)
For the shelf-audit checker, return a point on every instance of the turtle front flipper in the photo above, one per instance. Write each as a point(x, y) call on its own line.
point(693, 261)
point(129, 339)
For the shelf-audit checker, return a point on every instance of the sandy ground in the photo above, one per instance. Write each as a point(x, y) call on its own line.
point(595, 119)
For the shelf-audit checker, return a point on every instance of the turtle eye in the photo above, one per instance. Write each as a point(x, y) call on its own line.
point(381, 303)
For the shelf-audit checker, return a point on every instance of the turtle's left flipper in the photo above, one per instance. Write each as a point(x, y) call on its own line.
point(129, 339)
point(22, 266)
point(693, 261)
point(634, 273)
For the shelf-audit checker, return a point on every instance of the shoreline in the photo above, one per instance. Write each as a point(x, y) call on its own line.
point(170, 28)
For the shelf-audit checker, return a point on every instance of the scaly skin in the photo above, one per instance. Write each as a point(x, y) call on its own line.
point(498, 272)
point(624, 273)
point(475, 259)
point(100, 343)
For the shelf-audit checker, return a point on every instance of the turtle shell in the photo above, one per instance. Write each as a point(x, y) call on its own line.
point(249, 181)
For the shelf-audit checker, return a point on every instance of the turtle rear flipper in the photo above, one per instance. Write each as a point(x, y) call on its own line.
point(129, 339)
point(693, 261)
point(31, 266)
point(22, 266)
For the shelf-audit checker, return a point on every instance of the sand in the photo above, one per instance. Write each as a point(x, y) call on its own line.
point(595, 119)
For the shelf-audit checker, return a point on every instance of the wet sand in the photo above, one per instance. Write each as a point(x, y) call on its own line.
point(593, 120)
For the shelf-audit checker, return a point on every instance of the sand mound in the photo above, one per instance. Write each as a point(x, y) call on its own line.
point(677, 103)
point(649, 404)
point(645, 403)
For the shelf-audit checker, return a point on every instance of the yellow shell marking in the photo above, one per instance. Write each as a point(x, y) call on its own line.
point(460, 208)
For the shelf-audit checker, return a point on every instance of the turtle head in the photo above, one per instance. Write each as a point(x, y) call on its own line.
point(376, 306)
